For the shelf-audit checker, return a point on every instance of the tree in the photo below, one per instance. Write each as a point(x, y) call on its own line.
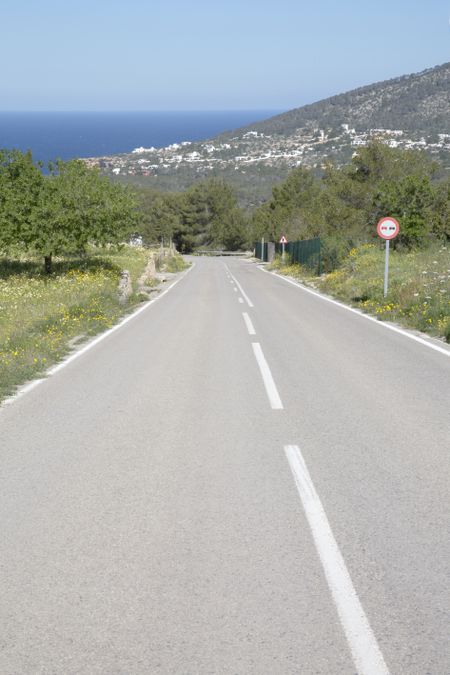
point(234, 231)
point(209, 216)
point(21, 184)
point(377, 162)
point(292, 210)
point(159, 215)
point(63, 212)
point(344, 206)
point(440, 217)
point(409, 200)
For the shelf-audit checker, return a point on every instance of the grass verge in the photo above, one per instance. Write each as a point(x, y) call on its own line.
point(42, 317)
point(419, 285)
point(172, 263)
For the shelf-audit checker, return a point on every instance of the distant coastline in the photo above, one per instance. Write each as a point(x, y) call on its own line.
point(66, 135)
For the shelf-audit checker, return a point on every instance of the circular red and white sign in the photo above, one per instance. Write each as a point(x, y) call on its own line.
point(388, 228)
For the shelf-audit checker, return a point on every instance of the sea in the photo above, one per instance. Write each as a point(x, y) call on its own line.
point(67, 135)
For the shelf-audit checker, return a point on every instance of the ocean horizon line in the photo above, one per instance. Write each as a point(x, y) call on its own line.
point(143, 112)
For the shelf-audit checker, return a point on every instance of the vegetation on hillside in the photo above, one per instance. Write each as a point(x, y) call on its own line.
point(73, 207)
point(344, 205)
point(411, 111)
point(418, 102)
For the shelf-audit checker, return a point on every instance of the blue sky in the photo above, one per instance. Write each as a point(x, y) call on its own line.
point(199, 55)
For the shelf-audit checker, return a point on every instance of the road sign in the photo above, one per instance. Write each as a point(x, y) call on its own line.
point(283, 241)
point(388, 228)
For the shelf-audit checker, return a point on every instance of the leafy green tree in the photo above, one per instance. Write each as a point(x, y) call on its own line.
point(292, 210)
point(220, 202)
point(378, 162)
point(209, 217)
point(193, 219)
point(21, 185)
point(234, 232)
point(62, 212)
point(440, 217)
point(410, 201)
point(79, 207)
point(159, 215)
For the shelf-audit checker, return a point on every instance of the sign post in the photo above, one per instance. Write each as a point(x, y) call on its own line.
point(283, 241)
point(387, 228)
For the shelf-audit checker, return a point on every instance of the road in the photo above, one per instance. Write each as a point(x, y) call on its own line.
point(243, 478)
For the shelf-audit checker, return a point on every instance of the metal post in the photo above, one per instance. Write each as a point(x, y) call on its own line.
point(262, 249)
point(282, 251)
point(386, 269)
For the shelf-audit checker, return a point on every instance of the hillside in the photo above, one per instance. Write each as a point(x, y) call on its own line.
point(417, 102)
point(412, 111)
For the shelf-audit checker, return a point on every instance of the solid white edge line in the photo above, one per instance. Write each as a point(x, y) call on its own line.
point(59, 366)
point(271, 389)
point(383, 324)
point(247, 299)
point(366, 653)
point(248, 323)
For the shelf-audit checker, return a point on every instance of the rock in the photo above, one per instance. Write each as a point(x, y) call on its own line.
point(125, 286)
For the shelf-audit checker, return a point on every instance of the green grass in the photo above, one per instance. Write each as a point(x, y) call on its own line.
point(173, 263)
point(41, 317)
point(419, 285)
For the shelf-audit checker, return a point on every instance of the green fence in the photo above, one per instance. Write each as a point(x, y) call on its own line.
point(306, 253)
point(258, 248)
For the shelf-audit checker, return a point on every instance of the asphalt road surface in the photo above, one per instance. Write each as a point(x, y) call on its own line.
point(243, 479)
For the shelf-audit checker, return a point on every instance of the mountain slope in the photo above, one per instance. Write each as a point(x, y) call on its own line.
point(412, 111)
point(420, 101)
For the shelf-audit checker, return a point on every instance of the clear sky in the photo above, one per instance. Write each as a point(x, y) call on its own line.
point(209, 55)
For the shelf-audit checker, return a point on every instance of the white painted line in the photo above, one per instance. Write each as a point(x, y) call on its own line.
point(366, 654)
point(244, 295)
point(59, 366)
point(248, 323)
point(235, 289)
point(383, 324)
point(25, 389)
point(271, 389)
point(241, 301)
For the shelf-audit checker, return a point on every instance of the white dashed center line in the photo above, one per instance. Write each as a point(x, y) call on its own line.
point(364, 647)
point(244, 295)
point(248, 323)
point(271, 389)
